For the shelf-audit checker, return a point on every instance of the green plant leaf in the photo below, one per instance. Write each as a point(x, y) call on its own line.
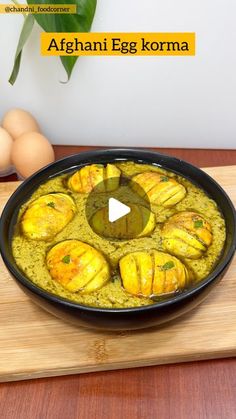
point(80, 22)
point(25, 33)
point(68, 64)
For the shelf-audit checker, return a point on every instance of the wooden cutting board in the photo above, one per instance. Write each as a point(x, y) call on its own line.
point(33, 343)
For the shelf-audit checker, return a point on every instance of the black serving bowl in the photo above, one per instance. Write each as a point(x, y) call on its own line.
point(128, 318)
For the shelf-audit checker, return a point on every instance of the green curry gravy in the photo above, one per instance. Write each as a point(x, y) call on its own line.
point(30, 254)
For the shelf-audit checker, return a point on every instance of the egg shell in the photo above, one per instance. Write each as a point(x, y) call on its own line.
point(18, 122)
point(6, 144)
point(31, 152)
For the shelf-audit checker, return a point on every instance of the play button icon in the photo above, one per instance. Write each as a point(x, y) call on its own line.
point(122, 214)
point(117, 210)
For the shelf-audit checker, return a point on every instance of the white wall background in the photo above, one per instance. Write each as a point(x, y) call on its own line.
point(133, 101)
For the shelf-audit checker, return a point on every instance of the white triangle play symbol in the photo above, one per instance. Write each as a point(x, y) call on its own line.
point(116, 210)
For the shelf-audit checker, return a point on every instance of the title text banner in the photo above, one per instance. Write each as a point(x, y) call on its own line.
point(62, 44)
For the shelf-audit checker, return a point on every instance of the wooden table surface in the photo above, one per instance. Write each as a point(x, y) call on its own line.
point(199, 390)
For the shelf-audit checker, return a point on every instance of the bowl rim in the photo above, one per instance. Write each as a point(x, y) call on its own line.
point(23, 280)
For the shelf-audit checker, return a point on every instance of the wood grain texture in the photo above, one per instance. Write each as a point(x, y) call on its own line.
point(36, 344)
point(199, 157)
point(200, 390)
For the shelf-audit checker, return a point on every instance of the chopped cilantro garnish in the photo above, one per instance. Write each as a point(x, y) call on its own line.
point(66, 259)
point(51, 204)
point(164, 179)
point(168, 265)
point(198, 223)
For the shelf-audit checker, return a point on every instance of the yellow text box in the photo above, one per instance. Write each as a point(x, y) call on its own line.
point(64, 44)
point(38, 8)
